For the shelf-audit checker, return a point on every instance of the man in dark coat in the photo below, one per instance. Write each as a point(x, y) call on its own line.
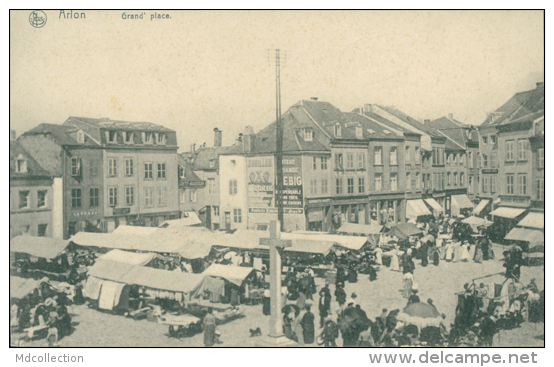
point(324, 304)
point(340, 294)
point(330, 333)
point(424, 257)
point(414, 298)
point(308, 327)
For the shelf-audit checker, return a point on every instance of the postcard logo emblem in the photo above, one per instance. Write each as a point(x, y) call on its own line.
point(37, 18)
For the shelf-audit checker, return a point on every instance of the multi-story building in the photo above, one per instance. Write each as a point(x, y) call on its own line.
point(34, 196)
point(204, 164)
point(438, 186)
point(462, 148)
point(519, 127)
point(114, 172)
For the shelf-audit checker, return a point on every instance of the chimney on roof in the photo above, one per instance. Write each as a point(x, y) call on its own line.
point(368, 107)
point(450, 116)
point(217, 137)
point(314, 98)
point(540, 85)
point(193, 148)
point(13, 136)
point(249, 140)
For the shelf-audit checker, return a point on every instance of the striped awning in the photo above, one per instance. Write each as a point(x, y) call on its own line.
point(436, 206)
point(462, 201)
point(416, 208)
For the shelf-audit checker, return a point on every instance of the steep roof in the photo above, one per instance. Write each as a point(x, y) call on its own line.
point(520, 105)
point(33, 168)
point(410, 120)
point(107, 123)
point(61, 134)
point(373, 129)
point(200, 159)
point(293, 141)
point(453, 129)
point(380, 119)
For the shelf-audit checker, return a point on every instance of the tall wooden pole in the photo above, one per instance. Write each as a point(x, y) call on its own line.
point(279, 148)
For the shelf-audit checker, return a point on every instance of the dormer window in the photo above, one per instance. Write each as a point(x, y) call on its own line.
point(338, 132)
point(212, 163)
point(148, 138)
point(80, 137)
point(359, 132)
point(307, 134)
point(129, 137)
point(182, 172)
point(161, 139)
point(112, 136)
point(21, 165)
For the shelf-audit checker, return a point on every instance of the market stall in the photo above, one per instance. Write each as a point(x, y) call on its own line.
point(39, 256)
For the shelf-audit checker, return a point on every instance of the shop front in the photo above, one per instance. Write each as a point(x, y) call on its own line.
point(386, 210)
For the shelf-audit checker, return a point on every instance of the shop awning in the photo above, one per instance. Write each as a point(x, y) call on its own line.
point(21, 287)
point(46, 247)
point(363, 229)
point(525, 234)
point(506, 212)
point(416, 208)
point(479, 208)
point(127, 257)
point(234, 274)
point(433, 204)
point(462, 201)
point(533, 220)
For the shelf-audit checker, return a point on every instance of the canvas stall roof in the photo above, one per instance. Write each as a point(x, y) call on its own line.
point(364, 229)
point(416, 208)
point(476, 221)
point(533, 220)
point(462, 201)
point(45, 247)
point(162, 279)
point(506, 212)
point(191, 219)
point(136, 230)
point(245, 239)
point(433, 203)
point(525, 234)
point(404, 230)
point(127, 257)
point(311, 247)
point(21, 287)
point(349, 242)
point(479, 208)
point(110, 270)
point(234, 274)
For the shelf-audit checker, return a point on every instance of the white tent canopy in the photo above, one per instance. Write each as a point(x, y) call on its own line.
point(127, 257)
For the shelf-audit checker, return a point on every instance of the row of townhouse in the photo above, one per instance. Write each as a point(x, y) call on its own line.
point(372, 165)
point(512, 162)
point(102, 173)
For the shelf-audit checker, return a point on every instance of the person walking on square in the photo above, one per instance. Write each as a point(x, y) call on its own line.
point(209, 328)
point(324, 304)
point(330, 333)
point(340, 294)
point(308, 327)
point(297, 327)
point(408, 282)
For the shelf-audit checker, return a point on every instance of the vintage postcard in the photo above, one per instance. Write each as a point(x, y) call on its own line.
point(277, 179)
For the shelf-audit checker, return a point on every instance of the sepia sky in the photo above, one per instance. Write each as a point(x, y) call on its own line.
point(201, 69)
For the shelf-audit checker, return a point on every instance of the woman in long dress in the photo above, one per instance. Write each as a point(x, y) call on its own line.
point(379, 256)
point(465, 252)
point(408, 282)
point(457, 252)
point(394, 263)
point(449, 251)
point(478, 257)
point(209, 328)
